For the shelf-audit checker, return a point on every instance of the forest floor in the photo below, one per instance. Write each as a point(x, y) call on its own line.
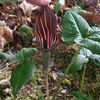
point(14, 16)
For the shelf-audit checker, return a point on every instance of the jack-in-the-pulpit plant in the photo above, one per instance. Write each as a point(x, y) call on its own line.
point(45, 29)
point(45, 33)
point(75, 30)
point(46, 36)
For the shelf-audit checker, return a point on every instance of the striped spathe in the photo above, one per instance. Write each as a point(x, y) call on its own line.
point(45, 29)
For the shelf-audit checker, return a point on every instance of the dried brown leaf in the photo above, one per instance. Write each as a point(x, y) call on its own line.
point(6, 35)
point(91, 17)
point(2, 43)
point(91, 2)
point(54, 75)
point(1, 30)
point(27, 8)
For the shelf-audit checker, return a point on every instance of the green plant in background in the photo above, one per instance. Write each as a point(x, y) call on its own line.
point(24, 70)
point(75, 30)
point(26, 32)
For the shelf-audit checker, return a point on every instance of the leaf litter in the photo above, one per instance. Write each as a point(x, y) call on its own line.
point(13, 16)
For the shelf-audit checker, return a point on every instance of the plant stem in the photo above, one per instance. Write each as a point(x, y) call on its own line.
point(46, 60)
point(47, 85)
point(14, 98)
point(66, 72)
point(83, 77)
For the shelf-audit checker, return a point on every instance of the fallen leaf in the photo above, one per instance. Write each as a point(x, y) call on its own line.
point(90, 17)
point(55, 76)
point(62, 2)
point(6, 35)
point(64, 91)
point(1, 30)
point(2, 23)
point(27, 8)
point(2, 43)
point(90, 2)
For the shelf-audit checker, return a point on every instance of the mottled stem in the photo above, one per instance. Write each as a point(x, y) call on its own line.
point(46, 60)
point(83, 77)
point(47, 85)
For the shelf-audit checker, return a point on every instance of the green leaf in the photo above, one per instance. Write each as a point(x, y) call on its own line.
point(77, 30)
point(96, 59)
point(95, 36)
point(27, 33)
point(76, 9)
point(95, 29)
point(86, 52)
point(90, 44)
point(25, 28)
point(80, 59)
point(21, 75)
point(57, 6)
point(90, 55)
point(77, 63)
point(74, 26)
point(25, 53)
point(7, 56)
point(79, 95)
point(92, 41)
point(82, 5)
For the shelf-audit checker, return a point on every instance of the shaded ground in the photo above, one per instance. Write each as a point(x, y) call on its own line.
point(60, 59)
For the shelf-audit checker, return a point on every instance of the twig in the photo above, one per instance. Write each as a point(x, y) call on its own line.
point(83, 77)
point(47, 84)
